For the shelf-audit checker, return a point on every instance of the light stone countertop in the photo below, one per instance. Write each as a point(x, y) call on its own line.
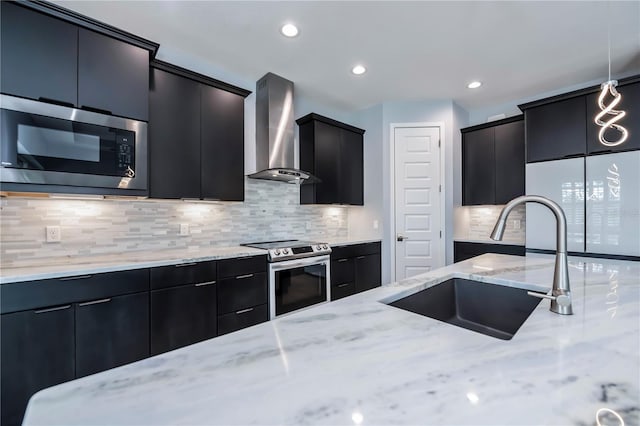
point(138, 260)
point(360, 361)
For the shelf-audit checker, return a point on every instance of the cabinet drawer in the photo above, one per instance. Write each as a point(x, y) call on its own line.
point(182, 274)
point(342, 290)
point(59, 291)
point(231, 268)
point(242, 292)
point(354, 250)
point(342, 271)
point(242, 318)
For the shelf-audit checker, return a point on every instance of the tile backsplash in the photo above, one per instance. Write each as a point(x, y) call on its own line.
point(271, 211)
point(476, 223)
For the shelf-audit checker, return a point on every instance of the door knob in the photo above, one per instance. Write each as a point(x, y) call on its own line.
point(401, 238)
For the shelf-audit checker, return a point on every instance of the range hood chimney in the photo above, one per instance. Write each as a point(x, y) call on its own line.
point(275, 157)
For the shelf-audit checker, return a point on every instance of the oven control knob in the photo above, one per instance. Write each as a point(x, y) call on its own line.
point(326, 247)
point(285, 251)
point(318, 247)
point(276, 252)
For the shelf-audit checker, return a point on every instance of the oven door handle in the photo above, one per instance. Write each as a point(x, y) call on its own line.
point(310, 261)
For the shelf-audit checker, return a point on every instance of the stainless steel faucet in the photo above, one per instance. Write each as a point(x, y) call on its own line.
point(560, 292)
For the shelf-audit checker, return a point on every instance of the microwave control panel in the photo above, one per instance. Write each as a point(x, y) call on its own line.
point(125, 148)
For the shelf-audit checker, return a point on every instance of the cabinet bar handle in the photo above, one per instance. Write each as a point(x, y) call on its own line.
point(57, 308)
point(342, 260)
point(343, 285)
point(244, 311)
point(361, 257)
point(95, 302)
point(244, 276)
point(182, 265)
point(79, 277)
point(203, 284)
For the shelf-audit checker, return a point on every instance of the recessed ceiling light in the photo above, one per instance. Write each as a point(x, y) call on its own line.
point(358, 69)
point(474, 85)
point(289, 30)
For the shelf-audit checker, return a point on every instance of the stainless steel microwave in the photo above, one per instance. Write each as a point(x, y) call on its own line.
point(48, 144)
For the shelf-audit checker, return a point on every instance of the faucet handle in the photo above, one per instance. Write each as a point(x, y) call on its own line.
point(561, 299)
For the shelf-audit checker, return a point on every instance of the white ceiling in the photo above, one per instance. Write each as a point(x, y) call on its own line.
point(413, 50)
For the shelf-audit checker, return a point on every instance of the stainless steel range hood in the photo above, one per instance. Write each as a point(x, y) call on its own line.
point(275, 155)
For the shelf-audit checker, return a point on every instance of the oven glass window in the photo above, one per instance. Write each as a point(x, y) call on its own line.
point(300, 287)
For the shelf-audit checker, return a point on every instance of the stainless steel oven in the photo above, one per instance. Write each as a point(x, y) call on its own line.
point(48, 144)
point(299, 274)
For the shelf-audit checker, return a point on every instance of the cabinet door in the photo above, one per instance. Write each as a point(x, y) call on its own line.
point(111, 332)
point(478, 167)
point(630, 103)
point(556, 130)
point(181, 316)
point(242, 292)
point(113, 76)
point(328, 162)
point(351, 168)
point(39, 55)
point(563, 182)
point(613, 203)
point(367, 272)
point(342, 278)
point(222, 144)
point(37, 352)
point(509, 161)
point(174, 136)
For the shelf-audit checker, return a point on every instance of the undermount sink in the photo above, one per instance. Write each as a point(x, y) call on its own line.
point(490, 309)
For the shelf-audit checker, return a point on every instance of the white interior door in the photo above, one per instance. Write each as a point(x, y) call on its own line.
point(417, 200)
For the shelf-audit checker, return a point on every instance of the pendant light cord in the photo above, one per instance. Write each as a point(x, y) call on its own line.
point(609, 36)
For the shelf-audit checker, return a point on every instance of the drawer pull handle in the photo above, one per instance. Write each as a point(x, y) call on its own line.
point(182, 265)
point(203, 284)
point(361, 257)
point(57, 308)
point(244, 276)
point(244, 311)
point(342, 260)
point(95, 302)
point(79, 277)
point(343, 285)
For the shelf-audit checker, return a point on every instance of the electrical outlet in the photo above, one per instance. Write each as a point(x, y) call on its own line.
point(184, 229)
point(375, 224)
point(52, 234)
point(516, 224)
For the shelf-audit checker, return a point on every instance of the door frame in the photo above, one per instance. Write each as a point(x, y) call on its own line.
point(391, 234)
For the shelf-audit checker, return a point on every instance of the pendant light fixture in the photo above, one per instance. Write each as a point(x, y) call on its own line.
point(608, 116)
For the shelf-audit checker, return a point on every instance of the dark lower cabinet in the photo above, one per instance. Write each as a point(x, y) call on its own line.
point(182, 315)
point(243, 318)
point(37, 352)
point(355, 268)
point(463, 250)
point(111, 332)
point(368, 274)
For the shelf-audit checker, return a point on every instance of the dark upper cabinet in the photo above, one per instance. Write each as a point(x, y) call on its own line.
point(493, 162)
point(113, 76)
point(182, 315)
point(53, 60)
point(630, 104)
point(351, 175)
point(222, 144)
point(39, 55)
point(196, 136)
point(111, 332)
point(509, 161)
point(37, 352)
point(478, 167)
point(333, 152)
point(556, 130)
point(174, 136)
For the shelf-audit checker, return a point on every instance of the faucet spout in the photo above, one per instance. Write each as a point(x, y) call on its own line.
point(560, 293)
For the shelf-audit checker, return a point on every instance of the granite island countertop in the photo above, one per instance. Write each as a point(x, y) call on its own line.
point(360, 361)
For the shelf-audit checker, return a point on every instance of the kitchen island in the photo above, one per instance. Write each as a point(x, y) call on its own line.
point(360, 361)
